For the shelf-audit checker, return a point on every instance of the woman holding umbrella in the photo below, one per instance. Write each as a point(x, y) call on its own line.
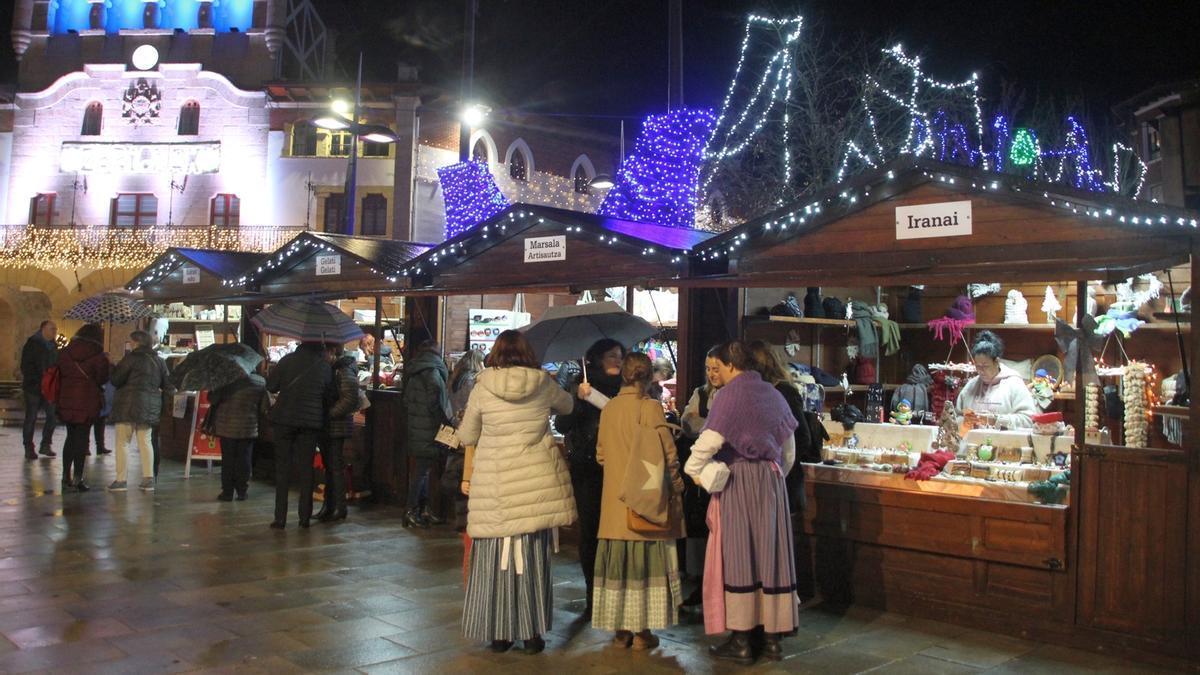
point(83, 370)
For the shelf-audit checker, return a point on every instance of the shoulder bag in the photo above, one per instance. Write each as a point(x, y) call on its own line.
point(646, 485)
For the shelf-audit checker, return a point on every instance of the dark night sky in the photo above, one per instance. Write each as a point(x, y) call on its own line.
point(609, 56)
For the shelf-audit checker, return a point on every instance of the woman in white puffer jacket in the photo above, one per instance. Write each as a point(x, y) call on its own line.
point(519, 493)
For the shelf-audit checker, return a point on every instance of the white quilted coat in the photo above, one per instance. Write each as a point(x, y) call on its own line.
point(520, 482)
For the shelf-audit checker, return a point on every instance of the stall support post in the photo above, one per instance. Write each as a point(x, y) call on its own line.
point(683, 355)
point(1192, 447)
point(420, 312)
point(378, 342)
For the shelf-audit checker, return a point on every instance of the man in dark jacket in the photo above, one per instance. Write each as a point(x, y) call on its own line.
point(427, 403)
point(38, 354)
point(304, 382)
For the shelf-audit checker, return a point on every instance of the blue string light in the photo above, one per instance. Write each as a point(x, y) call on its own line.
point(657, 183)
point(470, 194)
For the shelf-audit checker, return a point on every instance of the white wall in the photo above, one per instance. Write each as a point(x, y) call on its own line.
point(6, 141)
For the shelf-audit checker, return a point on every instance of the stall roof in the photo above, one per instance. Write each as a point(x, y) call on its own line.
point(655, 244)
point(384, 256)
point(223, 264)
point(792, 242)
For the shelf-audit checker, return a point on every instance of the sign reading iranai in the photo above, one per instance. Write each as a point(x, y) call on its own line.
point(545, 249)
point(174, 159)
point(945, 219)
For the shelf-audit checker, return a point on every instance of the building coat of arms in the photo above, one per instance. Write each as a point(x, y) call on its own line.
point(141, 103)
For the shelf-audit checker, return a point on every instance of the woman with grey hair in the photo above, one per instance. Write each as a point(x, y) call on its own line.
point(141, 382)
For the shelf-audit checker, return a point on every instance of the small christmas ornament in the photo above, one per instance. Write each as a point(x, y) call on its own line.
point(1016, 309)
point(1051, 305)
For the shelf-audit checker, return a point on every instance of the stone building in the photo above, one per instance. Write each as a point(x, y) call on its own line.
point(134, 126)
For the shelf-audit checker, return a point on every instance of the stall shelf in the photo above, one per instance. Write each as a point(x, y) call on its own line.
point(1118, 566)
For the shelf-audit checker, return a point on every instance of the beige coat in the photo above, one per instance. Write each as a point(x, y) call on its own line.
point(519, 479)
point(613, 448)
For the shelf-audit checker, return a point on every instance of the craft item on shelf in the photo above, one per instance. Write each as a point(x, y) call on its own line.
point(958, 316)
point(903, 413)
point(930, 464)
point(789, 306)
point(1134, 392)
point(958, 467)
point(1022, 455)
point(948, 436)
point(865, 318)
point(1091, 406)
point(875, 410)
point(910, 311)
point(1139, 290)
point(812, 303)
point(947, 384)
point(1052, 490)
point(981, 471)
point(915, 391)
point(1092, 306)
point(1070, 339)
point(864, 370)
point(980, 290)
point(1042, 388)
point(1016, 309)
point(1051, 305)
point(1048, 424)
point(845, 382)
point(1121, 316)
point(848, 414)
point(834, 308)
point(1173, 429)
point(986, 451)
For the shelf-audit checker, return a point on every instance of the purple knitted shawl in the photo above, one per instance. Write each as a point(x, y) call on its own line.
point(754, 419)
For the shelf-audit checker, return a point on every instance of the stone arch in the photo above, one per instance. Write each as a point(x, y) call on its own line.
point(522, 147)
point(481, 135)
point(57, 293)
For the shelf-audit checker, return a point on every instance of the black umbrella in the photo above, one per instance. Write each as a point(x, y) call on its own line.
point(215, 366)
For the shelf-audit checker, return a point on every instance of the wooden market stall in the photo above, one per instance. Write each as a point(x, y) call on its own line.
point(1117, 565)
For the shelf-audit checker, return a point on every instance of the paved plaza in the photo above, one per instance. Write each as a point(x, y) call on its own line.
point(173, 581)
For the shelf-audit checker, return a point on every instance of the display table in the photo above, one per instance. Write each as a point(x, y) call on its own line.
point(960, 486)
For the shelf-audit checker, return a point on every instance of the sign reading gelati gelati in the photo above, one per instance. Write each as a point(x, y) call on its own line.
point(545, 249)
point(191, 275)
point(946, 219)
point(329, 265)
point(168, 159)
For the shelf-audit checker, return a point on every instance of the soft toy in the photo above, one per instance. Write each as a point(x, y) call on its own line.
point(1042, 388)
point(903, 413)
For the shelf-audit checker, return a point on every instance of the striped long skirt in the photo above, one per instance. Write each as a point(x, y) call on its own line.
point(509, 590)
point(757, 565)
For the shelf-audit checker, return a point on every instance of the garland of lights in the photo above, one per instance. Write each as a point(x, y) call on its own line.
point(33, 247)
point(657, 183)
point(304, 245)
point(800, 215)
point(470, 194)
point(733, 139)
point(1024, 148)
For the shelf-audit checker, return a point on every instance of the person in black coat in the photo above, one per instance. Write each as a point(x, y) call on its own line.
point(303, 381)
point(581, 428)
point(38, 354)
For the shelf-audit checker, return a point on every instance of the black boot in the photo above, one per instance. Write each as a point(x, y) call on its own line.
point(771, 649)
point(736, 648)
point(430, 517)
point(412, 518)
point(325, 512)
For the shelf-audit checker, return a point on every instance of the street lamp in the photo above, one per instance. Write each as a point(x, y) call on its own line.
point(602, 182)
point(471, 117)
point(339, 121)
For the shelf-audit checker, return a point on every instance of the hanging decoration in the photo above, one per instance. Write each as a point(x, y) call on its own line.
point(470, 194)
point(1024, 151)
point(734, 131)
point(657, 183)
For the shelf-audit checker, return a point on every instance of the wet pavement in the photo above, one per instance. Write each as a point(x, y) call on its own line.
point(174, 581)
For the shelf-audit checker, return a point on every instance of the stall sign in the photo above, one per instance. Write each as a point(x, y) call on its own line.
point(329, 265)
point(545, 249)
point(191, 275)
point(203, 445)
point(923, 221)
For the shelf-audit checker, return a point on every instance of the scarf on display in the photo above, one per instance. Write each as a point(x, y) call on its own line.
point(958, 316)
point(866, 316)
point(753, 418)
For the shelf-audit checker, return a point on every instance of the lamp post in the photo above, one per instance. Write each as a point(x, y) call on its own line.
point(376, 133)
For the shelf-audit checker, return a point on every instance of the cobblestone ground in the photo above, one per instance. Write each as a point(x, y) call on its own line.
point(173, 581)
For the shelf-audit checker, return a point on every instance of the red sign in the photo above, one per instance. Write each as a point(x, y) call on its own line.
point(203, 445)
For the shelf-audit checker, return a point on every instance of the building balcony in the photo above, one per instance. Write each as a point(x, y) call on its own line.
point(104, 246)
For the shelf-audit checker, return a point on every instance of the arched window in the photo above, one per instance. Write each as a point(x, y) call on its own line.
point(189, 119)
point(93, 117)
point(304, 140)
point(41, 209)
point(226, 211)
point(479, 152)
point(374, 215)
point(335, 212)
point(518, 169)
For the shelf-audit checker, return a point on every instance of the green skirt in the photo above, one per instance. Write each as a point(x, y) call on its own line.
point(636, 585)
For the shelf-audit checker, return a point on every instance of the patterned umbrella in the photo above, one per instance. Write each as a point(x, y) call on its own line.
point(566, 332)
point(215, 366)
point(308, 321)
point(111, 308)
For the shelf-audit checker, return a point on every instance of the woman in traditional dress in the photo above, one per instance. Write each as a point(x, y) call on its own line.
point(750, 573)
